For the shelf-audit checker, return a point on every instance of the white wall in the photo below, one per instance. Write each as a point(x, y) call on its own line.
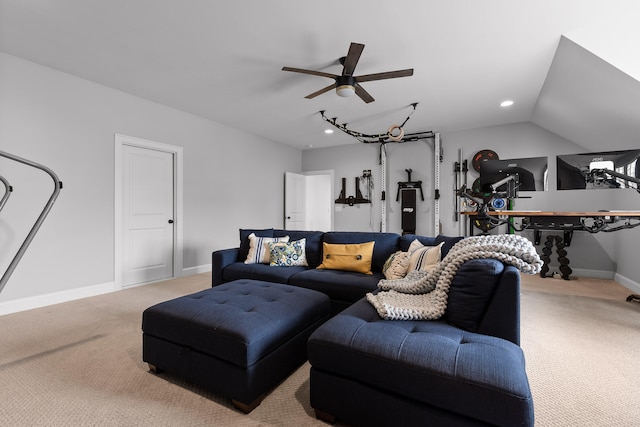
point(599, 255)
point(68, 124)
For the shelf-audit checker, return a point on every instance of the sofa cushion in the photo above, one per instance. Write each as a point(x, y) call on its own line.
point(405, 242)
point(338, 285)
point(431, 362)
point(265, 272)
point(385, 243)
point(347, 257)
point(313, 246)
point(471, 291)
point(244, 240)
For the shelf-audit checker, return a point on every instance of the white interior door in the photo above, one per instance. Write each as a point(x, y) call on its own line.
point(309, 201)
point(319, 202)
point(294, 201)
point(148, 215)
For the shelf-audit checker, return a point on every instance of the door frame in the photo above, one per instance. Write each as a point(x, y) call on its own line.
point(120, 141)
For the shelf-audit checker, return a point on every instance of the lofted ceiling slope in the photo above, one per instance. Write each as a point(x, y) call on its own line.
point(223, 60)
point(588, 101)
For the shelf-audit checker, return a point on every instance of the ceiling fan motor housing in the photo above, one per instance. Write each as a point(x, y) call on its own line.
point(345, 85)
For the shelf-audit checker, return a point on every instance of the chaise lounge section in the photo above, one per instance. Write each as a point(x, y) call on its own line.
point(465, 369)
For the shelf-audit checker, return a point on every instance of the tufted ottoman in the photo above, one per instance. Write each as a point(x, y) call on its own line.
point(415, 373)
point(239, 339)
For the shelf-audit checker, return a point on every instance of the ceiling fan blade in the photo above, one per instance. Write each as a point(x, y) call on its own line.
point(363, 94)
point(312, 72)
point(321, 91)
point(350, 62)
point(387, 75)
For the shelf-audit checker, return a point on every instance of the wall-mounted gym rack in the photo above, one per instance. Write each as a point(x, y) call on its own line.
point(395, 134)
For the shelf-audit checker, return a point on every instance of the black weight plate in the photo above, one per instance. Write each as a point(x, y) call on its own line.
point(481, 156)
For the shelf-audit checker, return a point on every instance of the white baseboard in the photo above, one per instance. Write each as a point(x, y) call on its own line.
point(196, 270)
point(596, 274)
point(585, 272)
point(627, 283)
point(38, 301)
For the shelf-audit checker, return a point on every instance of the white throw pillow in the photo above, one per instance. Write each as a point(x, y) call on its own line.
point(259, 249)
point(424, 258)
point(395, 267)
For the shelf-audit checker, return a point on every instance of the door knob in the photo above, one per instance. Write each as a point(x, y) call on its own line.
point(170, 221)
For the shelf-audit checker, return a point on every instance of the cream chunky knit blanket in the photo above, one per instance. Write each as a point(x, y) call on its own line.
point(422, 295)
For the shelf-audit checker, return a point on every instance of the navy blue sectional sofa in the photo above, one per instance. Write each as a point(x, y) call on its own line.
point(343, 287)
point(466, 368)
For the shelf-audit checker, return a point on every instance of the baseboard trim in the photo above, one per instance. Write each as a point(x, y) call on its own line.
point(38, 301)
point(596, 274)
point(196, 270)
point(627, 283)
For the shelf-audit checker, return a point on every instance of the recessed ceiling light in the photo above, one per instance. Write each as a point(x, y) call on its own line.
point(328, 131)
point(507, 103)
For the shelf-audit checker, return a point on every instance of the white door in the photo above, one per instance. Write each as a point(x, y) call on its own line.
point(309, 201)
point(148, 215)
point(294, 201)
point(319, 202)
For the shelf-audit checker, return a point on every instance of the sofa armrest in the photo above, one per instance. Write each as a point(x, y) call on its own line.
point(219, 260)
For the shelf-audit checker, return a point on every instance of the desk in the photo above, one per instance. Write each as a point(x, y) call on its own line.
point(567, 222)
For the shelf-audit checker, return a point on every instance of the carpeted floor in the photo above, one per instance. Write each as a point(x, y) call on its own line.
point(581, 352)
point(80, 363)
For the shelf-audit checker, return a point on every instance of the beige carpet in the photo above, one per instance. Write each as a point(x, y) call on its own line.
point(79, 363)
point(582, 345)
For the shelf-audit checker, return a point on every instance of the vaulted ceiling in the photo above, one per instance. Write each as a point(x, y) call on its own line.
point(570, 66)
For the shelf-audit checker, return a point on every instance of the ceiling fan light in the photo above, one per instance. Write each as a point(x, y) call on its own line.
point(345, 90)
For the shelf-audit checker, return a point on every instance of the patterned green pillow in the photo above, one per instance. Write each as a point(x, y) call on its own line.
point(288, 254)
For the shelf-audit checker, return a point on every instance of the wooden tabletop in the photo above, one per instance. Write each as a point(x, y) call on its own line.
point(553, 213)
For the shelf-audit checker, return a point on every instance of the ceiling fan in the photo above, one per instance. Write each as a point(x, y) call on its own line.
point(347, 84)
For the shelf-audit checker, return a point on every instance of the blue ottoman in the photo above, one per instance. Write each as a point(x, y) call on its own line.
point(239, 339)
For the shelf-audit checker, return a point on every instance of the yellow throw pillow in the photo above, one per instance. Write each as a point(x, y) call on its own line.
point(348, 257)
